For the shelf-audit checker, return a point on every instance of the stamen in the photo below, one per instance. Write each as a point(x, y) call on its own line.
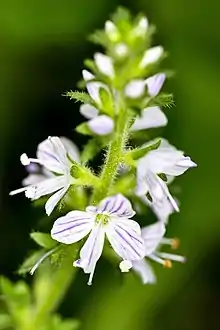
point(125, 266)
point(17, 191)
point(167, 263)
point(42, 259)
point(173, 257)
point(175, 243)
point(156, 258)
point(25, 160)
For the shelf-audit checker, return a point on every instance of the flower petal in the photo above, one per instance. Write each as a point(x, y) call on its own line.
point(71, 148)
point(151, 55)
point(124, 236)
point(145, 271)
point(87, 76)
point(101, 125)
point(159, 191)
point(105, 64)
point(93, 86)
point(46, 187)
point(162, 210)
point(33, 179)
point(155, 83)
point(111, 31)
point(52, 155)
point(152, 236)
point(141, 28)
point(116, 205)
point(167, 159)
point(88, 111)
point(135, 88)
point(91, 251)
point(72, 227)
point(150, 117)
point(54, 199)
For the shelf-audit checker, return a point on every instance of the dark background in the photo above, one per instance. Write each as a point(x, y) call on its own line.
point(43, 45)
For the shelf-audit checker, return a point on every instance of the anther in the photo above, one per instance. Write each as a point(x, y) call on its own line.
point(24, 160)
point(175, 243)
point(167, 264)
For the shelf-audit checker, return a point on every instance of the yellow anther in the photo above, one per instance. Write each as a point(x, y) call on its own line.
point(167, 264)
point(175, 243)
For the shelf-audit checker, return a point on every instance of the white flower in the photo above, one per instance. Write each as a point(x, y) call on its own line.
point(150, 117)
point(151, 56)
point(121, 49)
point(98, 124)
point(112, 31)
point(54, 175)
point(141, 28)
point(136, 87)
point(105, 64)
point(167, 160)
point(153, 236)
point(111, 218)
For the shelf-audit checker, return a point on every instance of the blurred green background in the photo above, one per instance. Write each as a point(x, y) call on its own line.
point(43, 45)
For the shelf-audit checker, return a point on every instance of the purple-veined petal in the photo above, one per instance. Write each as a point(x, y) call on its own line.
point(145, 271)
point(152, 236)
point(72, 227)
point(124, 236)
point(135, 88)
point(52, 155)
point(91, 251)
point(71, 149)
point(104, 64)
point(54, 199)
point(155, 83)
point(151, 55)
point(150, 117)
point(88, 111)
point(101, 125)
point(116, 205)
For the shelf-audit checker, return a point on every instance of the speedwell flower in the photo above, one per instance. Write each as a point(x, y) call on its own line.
point(164, 160)
point(55, 172)
point(153, 236)
point(111, 218)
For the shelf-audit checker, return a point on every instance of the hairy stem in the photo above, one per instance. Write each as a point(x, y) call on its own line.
point(114, 154)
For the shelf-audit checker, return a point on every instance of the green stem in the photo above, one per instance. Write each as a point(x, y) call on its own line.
point(56, 286)
point(114, 155)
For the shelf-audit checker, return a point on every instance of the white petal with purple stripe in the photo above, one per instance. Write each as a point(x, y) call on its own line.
point(72, 227)
point(116, 205)
point(125, 237)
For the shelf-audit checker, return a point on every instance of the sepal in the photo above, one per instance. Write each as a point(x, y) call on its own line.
point(44, 240)
point(137, 153)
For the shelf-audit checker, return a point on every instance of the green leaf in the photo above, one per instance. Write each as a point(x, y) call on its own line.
point(99, 38)
point(5, 321)
point(84, 129)
point(43, 240)
point(30, 262)
point(137, 153)
point(79, 97)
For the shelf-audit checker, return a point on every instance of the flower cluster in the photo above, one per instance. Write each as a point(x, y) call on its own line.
point(124, 98)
